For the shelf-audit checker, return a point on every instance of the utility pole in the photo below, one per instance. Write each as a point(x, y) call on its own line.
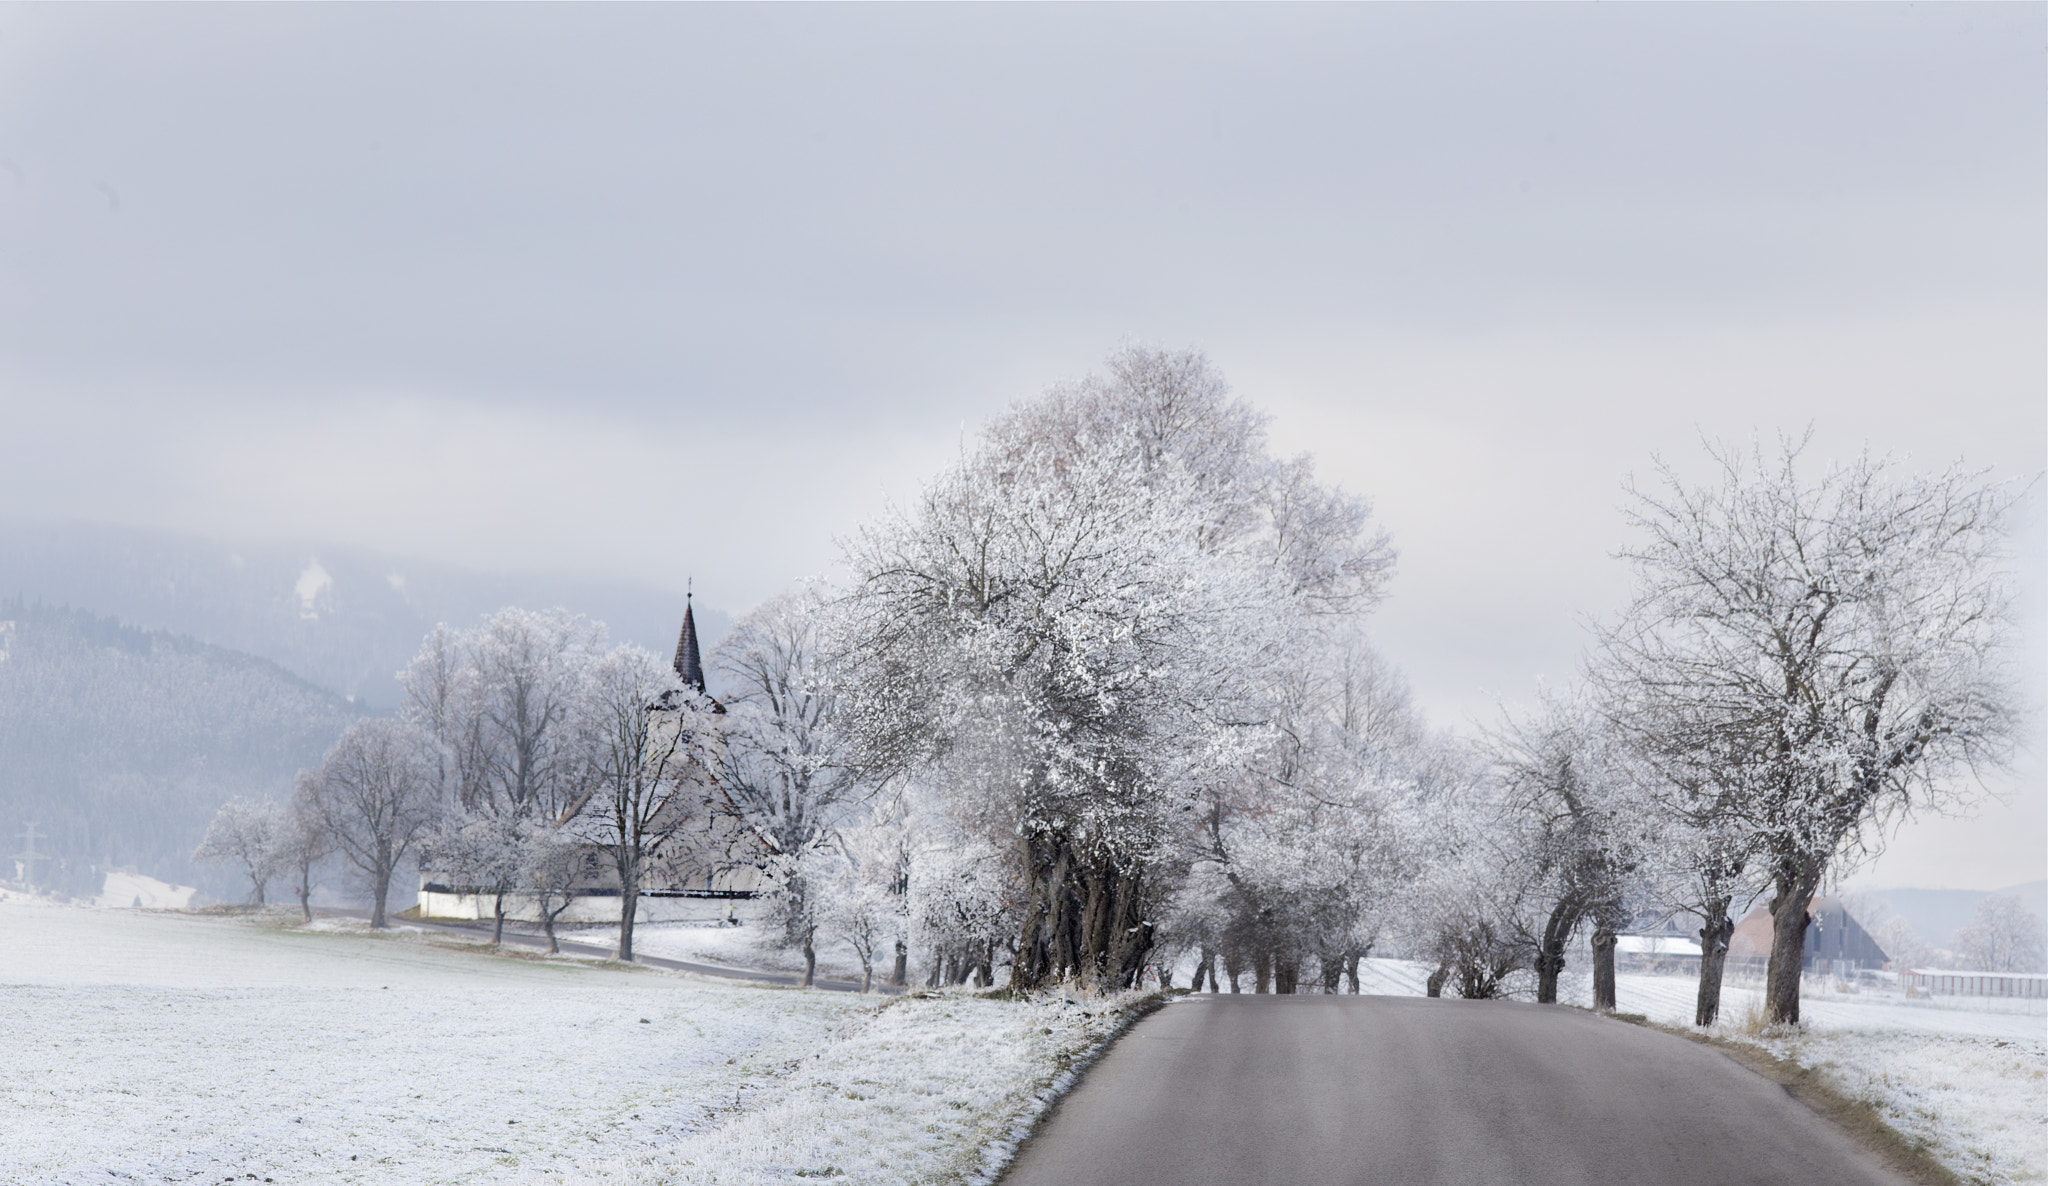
point(28, 856)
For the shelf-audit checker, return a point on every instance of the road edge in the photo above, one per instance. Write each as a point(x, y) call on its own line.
point(998, 1158)
point(1897, 1152)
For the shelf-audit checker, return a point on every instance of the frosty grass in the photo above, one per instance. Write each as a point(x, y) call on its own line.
point(145, 1047)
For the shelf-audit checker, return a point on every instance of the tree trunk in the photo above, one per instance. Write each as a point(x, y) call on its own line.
point(986, 966)
point(1603, 965)
point(1714, 939)
point(900, 974)
point(1435, 985)
point(1331, 967)
point(867, 971)
point(306, 897)
point(498, 919)
point(1233, 964)
point(1286, 974)
point(629, 904)
point(1789, 916)
point(810, 960)
point(1557, 931)
point(259, 893)
point(1548, 965)
point(1084, 920)
point(378, 894)
point(1201, 970)
point(1262, 969)
point(550, 910)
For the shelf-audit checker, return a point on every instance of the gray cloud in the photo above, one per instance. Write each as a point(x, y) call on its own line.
point(648, 291)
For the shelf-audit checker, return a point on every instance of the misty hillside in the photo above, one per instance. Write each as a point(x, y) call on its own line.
point(343, 619)
point(1937, 914)
point(120, 744)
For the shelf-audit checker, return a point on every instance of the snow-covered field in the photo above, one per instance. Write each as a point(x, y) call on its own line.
point(174, 1047)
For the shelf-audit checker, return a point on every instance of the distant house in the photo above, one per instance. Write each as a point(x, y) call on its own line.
point(1835, 941)
point(706, 863)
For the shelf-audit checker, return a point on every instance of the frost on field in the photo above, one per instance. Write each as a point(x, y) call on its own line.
point(938, 1088)
point(1966, 1077)
point(173, 1047)
point(1978, 1103)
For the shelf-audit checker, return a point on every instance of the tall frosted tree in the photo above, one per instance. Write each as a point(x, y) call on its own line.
point(1079, 625)
point(1839, 642)
point(378, 795)
point(649, 743)
point(785, 774)
point(505, 700)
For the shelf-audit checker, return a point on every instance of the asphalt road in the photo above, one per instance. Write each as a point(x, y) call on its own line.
point(1397, 1091)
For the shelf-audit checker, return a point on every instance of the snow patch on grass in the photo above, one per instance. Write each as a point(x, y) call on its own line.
point(936, 1088)
point(1965, 1078)
point(1979, 1104)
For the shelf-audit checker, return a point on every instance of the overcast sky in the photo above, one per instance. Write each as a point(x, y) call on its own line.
point(653, 292)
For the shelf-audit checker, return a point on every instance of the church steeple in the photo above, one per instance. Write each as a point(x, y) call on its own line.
point(689, 662)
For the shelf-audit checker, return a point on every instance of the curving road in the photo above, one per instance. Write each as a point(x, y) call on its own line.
point(1251, 1090)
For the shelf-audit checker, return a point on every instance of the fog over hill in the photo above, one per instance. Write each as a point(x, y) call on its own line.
point(344, 619)
point(120, 744)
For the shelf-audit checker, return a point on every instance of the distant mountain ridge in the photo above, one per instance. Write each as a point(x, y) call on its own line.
point(120, 744)
point(346, 619)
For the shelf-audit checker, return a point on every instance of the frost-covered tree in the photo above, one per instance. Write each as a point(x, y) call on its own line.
point(872, 897)
point(2003, 936)
point(650, 745)
point(785, 774)
point(868, 917)
point(1844, 635)
point(379, 795)
point(246, 832)
point(506, 701)
point(1907, 949)
point(503, 700)
point(1469, 907)
point(1078, 626)
point(483, 853)
point(1301, 851)
point(961, 910)
point(553, 862)
point(1574, 818)
point(305, 842)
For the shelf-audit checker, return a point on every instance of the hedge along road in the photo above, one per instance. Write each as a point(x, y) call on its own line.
point(1252, 1090)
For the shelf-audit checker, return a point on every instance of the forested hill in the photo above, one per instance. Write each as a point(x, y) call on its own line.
point(121, 743)
point(346, 619)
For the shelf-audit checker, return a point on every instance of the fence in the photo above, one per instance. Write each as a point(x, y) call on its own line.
point(2028, 985)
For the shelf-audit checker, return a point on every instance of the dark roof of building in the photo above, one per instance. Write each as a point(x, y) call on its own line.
point(689, 666)
point(689, 662)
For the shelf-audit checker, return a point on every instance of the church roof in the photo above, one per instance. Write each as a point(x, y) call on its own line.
point(689, 661)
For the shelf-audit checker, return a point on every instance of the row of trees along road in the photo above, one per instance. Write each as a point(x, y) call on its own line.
point(1102, 698)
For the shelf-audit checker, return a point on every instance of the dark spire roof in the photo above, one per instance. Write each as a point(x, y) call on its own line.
point(689, 663)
